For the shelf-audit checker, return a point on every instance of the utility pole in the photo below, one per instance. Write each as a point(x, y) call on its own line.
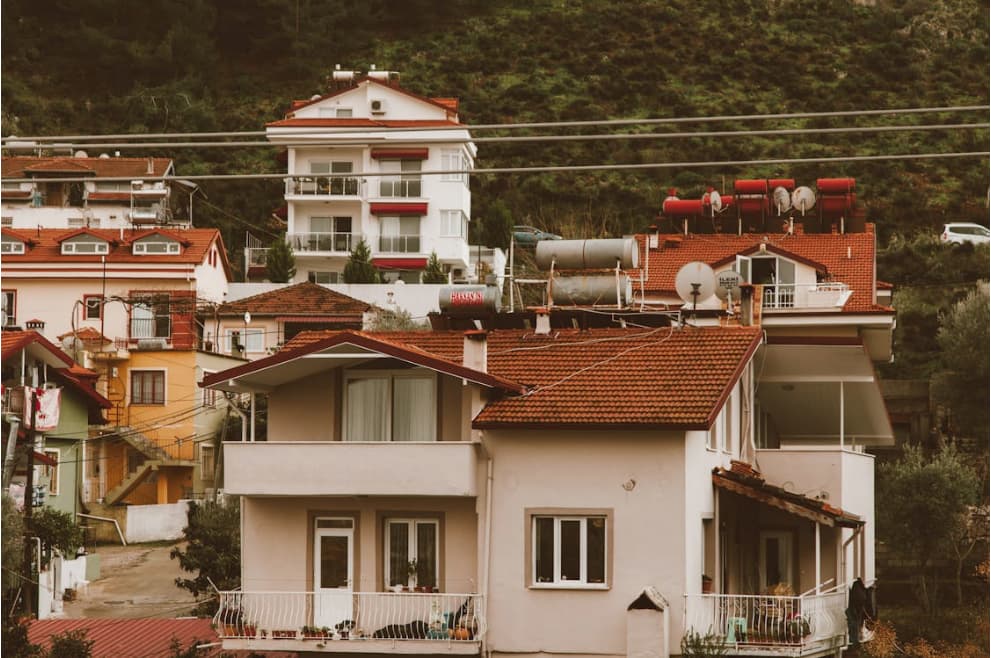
point(29, 506)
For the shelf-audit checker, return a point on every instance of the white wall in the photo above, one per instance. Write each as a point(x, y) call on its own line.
point(156, 522)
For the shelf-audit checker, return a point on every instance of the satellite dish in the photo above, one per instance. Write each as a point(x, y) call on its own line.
point(728, 285)
point(782, 199)
point(803, 198)
point(715, 201)
point(695, 282)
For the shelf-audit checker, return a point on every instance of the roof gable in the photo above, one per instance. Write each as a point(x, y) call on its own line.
point(25, 166)
point(301, 299)
point(364, 84)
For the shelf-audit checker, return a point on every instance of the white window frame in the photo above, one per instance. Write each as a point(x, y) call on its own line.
point(456, 219)
point(321, 276)
point(49, 470)
point(786, 540)
point(412, 554)
point(245, 332)
point(558, 582)
point(88, 305)
point(204, 473)
point(73, 245)
point(11, 246)
point(452, 160)
point(210, 396)
point(391, 375)
point(7, 221)
point(727, 443)
point(141, 247)
point(165, 386)
point(9, 318)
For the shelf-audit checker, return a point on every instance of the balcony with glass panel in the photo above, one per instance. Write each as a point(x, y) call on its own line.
point(315, 186)
point(399, 244)
point(341, 243)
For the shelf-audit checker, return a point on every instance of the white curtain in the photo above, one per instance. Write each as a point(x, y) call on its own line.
point(367, 409)
point(413, 409)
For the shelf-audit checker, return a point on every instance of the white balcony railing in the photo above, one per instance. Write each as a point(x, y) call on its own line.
point(760, 625)
point(805, 295)
point(343, 615)
point(323, 186)
point(399, 244)
point(256, 256)
point(334, 242)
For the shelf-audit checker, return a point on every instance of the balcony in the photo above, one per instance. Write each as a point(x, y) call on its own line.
point(399, 244)
point(846, 476)
point(344, 468)
point(351, 622)
point(341, 243)
point(256, 256)
point(151, 328)
point(798, 296)
point(323, 186)
point(763, 625)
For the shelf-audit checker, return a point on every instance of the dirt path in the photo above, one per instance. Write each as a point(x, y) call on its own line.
point(135, 581)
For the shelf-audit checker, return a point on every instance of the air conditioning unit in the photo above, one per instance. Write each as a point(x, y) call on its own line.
point(152, 344)
point(377, 106)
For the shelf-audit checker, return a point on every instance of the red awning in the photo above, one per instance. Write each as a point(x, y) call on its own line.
point(400, 154)
point(400, 263)
point(398, 209)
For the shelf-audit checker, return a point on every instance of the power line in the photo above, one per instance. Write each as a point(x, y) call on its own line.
point(547, 138)
point(517, 126)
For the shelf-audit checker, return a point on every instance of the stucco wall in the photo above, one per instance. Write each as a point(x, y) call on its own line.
point(305, 410)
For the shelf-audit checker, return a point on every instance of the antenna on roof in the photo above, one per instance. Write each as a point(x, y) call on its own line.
point(782, 199)
point(803, 198)
point(728, 288)
point(695, 282)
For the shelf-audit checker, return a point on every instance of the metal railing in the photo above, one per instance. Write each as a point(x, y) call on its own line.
point(157, 327)
point(400, 188)
point(256, 256)
point(341, 614)
point(803, 295)
point(399, 244)
point(323, 186)
point(340, 242)
point(759, 624)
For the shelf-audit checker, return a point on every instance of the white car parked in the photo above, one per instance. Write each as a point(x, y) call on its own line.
point(960, 232)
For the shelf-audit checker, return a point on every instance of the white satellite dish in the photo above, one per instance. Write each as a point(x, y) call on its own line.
point(782, 199)
point(695, 282)
point(803, 198)
point(728, 285)
point(715, 201)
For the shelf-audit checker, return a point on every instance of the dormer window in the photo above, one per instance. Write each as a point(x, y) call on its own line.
point(85, 244)
point(11, 246)
point(156, 245)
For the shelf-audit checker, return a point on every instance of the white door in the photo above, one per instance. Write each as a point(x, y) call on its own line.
point(333, 571)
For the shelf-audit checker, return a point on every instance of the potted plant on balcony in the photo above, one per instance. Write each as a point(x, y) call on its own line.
point(411, 574)
point(317, 633)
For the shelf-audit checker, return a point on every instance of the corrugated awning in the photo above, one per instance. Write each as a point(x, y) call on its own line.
point(400, 263)
point(744, 481)
point(398, 209)
point(400, 154)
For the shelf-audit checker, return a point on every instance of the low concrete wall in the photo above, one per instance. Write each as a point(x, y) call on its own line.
point(156, 522)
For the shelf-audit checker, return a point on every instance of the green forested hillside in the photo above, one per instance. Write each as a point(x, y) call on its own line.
point(117, 66)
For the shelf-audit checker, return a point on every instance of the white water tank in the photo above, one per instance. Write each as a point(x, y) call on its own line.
point(588, 254)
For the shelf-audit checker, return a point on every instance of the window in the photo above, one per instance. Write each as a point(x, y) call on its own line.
point(457, 164)
point(404, 181)
point(150, 317)
point(569, 550)
point(713, 436)
point(85, 244)
point(329, 234)
point(147, 387)
point(206, 462)
point(6, 221)
point(92, 307)
point(51, 472)
point(400, 234)
point(322, 277)
point(156, 245)
point(251, 339)
point(390, 407)
point(411, 555)
point(776, 547)
point(453, 224)
point(11, 246)
point(728, 424)
point(8, 306)
point(210, 396)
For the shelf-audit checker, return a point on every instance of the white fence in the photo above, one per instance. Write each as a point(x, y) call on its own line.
point(351, 615)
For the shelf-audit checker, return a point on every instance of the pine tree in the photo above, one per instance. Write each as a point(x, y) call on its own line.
point(434, 272)
point(280, 264)
point(359, 268)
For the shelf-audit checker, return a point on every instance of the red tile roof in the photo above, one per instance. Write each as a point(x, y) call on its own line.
point(137, 638)
point(302, 299)
point(44, 246)
point(12, 342)
point(666, 377)
point(22, 166)
point(87, 334)
point(449, 104)
point(847, 258)
point(331, 122)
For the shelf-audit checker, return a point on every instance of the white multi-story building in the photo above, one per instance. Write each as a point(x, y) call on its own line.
point(360, 168)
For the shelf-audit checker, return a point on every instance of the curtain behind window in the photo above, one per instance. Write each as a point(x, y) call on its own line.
point(412, 409)
point(367, 401)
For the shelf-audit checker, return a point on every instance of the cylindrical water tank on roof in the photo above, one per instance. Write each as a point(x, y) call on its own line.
point(588, 254)
point(682, 207)
point(835, 185)
point(591, 290)
point(469, 300)
point(751, 186)
point(787, 183)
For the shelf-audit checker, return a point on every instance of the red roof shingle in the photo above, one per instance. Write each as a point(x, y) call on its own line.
point(302, 299)
point(22, 166)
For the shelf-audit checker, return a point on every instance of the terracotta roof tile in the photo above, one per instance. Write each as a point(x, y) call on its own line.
point(302, 299)
point(445, 103)
point(665, 377)
point(847, 258)
point(331, 122)
point(22, 166)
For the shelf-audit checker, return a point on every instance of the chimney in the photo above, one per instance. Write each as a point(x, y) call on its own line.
point(543, 321)
point(476, 351)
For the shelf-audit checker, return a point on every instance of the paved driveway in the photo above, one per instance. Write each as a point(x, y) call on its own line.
point(135, 581)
